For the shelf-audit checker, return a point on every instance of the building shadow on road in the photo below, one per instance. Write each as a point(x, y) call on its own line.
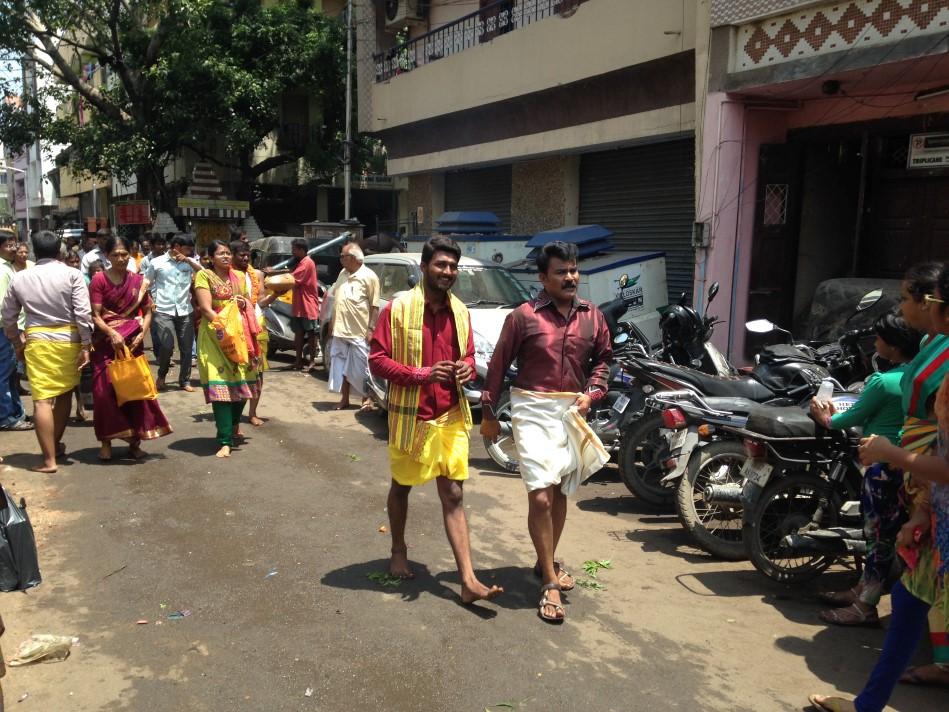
point(621, 505)
point(671, 541)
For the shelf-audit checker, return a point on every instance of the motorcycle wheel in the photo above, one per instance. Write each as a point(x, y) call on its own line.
point(642, 456)
point(502, 450)
point(715, 528)
point(786, 505)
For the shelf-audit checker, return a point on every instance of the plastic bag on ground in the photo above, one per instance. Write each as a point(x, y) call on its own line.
point(19, 562)
point(43, 647)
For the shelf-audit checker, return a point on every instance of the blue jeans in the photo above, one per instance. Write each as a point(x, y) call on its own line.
point(907, 626)
point(11, 407)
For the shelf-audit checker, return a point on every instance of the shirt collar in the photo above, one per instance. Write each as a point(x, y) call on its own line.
point(543, 300)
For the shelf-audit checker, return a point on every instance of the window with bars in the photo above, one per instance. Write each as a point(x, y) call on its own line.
point(776, 203)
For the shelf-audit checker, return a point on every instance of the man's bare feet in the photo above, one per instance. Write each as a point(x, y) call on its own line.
point(477, 591)
point(45, 469)
point(342, 405)
point(225, 451)
point(255, 421)
point(399, 564)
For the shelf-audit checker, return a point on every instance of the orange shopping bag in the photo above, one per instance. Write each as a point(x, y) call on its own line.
point(130, 377)
point(228, 329)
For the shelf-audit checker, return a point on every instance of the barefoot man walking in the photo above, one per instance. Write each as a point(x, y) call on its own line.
point(423, 346)
point(562, 347)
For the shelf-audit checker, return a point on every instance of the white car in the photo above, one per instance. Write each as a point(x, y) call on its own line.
point(489, 291)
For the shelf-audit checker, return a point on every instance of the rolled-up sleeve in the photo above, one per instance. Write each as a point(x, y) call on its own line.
point(598, 381)
point(509, 343)
point(82, 309)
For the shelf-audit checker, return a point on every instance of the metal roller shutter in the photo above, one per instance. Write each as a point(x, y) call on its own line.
point(646, 196)
point(481, 189)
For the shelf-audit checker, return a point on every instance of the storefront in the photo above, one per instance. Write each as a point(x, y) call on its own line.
point(825, 155)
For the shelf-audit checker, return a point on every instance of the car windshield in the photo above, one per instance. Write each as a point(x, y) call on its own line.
point(488, 286)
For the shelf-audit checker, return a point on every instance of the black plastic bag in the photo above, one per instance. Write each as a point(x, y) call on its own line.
point(19, 563)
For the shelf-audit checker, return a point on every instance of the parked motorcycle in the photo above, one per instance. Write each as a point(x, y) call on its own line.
point(706, 451)
point(796, 478)
point(783, 375)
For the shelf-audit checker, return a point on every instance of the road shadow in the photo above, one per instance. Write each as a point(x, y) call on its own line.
point(490, 468)
point(673, 541)
point(203, 417)
point(626, 504)
point(355, 577)
point(200, 447)
point(848, 673)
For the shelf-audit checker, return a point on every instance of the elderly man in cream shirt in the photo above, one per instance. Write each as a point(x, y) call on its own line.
point(355, 294)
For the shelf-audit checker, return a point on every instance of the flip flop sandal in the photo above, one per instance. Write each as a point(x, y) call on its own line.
point(545, 602)
point(841, 599)
point(561, 574)
point(912, 677)
point(851, 616)
point(831, 704)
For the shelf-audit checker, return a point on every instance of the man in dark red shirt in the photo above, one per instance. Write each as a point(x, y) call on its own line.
point(423, 345)
point(562, 348)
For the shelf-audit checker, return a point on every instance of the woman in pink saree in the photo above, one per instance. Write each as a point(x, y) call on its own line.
point(121, 309)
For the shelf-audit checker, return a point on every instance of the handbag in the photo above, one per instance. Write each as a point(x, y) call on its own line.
point(130, 377)
point(228, 329)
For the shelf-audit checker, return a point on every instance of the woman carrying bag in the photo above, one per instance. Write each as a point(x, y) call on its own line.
point(228, 360)
point(118, 299)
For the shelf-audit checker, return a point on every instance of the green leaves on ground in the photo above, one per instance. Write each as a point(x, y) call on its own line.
point(592, 566)
point(385, 579)
point(590, 584)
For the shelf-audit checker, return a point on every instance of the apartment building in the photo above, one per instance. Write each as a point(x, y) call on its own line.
point(545, 112)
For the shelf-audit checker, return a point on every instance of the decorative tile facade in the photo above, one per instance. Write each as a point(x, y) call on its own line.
point(735, 12)
point(835, 27)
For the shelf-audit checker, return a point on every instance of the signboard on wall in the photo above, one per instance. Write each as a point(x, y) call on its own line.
point(133, 212)
point(928, 150)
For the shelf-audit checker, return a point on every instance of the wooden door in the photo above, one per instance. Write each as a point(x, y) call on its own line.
point(775, 244)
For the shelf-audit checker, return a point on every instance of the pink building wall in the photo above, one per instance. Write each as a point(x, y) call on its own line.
point(733, 134)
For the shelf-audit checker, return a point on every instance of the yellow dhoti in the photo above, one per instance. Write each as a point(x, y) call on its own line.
point(443, 454)
point(51, 366)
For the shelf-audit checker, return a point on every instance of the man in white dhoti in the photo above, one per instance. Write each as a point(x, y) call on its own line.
point(355, 294)
point(562, 347)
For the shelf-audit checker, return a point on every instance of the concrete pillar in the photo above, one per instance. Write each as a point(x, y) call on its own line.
point(322, 205)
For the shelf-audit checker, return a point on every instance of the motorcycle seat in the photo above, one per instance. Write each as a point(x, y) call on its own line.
point(788, 422)
point(716, 386)
point(733, 405)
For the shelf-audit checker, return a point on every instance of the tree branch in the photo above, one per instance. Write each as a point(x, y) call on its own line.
point(207, 156)
point(67, 75)
point(281, 159)
point(121, 67)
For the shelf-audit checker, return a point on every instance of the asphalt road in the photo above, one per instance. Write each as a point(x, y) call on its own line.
point(271, 552)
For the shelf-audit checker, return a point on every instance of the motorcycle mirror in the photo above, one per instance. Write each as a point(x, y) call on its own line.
point(683, 299)
point(412, 280)
point(712, 291)
point(760, 326)
point(621, 339)
point(869, 299)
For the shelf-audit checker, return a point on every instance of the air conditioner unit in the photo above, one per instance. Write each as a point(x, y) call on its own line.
point(400, 13)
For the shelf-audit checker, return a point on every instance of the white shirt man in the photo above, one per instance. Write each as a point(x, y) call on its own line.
point(355, 294)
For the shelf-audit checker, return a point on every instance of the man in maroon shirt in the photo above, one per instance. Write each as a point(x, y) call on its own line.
point(424, 347)
point(562, 347)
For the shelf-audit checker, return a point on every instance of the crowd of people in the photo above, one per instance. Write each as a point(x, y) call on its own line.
point(67, 317)
point(422, 344)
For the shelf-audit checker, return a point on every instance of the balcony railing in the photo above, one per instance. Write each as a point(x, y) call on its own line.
point(481, 26)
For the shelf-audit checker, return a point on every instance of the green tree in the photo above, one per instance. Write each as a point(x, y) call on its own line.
point(210, 75)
